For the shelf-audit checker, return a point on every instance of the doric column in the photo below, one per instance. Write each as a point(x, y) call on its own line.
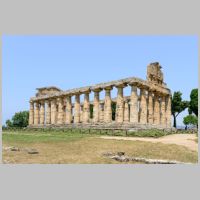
point(68, 110)
point(143, 106)
point(77, 109)
point(60, 111)
point(107, 106)
point(31, 113)
point(42, 112)
point(168, 111)
point(81, 113)
point(150, 107)
point(134, 105)
point(96, 106)
point(86, 108)
point(163, 111)
point(101, 112)
point(53, 111)
point(156, 114)
point(36, 114)
point(126, 111)
point(48, 113)
point(120, 104)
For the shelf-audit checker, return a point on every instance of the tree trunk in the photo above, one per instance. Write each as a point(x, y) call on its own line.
point(174, 121)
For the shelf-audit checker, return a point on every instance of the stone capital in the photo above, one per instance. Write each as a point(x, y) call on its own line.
point(108, 88)
point(120, 85)
point(97, 90)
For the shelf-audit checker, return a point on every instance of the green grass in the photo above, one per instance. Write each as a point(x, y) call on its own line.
point(149, 133)
point(33, 136)
point(76, 147)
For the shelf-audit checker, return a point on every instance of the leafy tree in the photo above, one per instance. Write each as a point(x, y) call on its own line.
point(9, 123)
point(193, 105)
point(20, 119)
point(190, 120)
point(178, 105)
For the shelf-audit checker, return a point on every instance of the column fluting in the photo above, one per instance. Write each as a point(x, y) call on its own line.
point(31, 113)
point(96, 106)
point(163, 111)
point(36, 114)
point(156, 114)
point(68, 110)
point(150, 107)
point(134, 105)
point(143, 106)
point(86, 108)
point(48, 112)
point(126, 111)
point(53, 111)
point(77, 109)
point(42, 112)
point(107, 106)
point(60, 111)
point(120, 105)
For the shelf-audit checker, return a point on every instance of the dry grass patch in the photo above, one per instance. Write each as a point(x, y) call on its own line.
point(86, 149)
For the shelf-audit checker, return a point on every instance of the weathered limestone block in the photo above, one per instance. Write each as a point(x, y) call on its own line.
point(156, 113)
point(107, 106)
point(42, 112)
point(120, 105)
point(163, 111)
point(143, 106)
point(31, 113)
point(36, 114)
point(96, 106)
point(101, 113)
point(53, 111)
point(48, 113)
point(150, 107)
point(68, 110)
point(77, 109)
point(86, 108)
point(60, 111)
point(168, 111)
point(126, 112)
point(134, 105)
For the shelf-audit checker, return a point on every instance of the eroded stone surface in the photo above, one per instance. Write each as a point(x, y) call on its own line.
point(152, 107)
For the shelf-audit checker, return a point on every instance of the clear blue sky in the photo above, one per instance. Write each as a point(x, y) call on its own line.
point(74, 61)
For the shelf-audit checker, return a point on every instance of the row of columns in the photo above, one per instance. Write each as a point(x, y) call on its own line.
point(151, 107)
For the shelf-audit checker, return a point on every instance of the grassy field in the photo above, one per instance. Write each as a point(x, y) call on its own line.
point(66, 147)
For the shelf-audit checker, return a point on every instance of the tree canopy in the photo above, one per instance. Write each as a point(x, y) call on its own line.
point(20, 119)
point(193, 105)
point(178, 105)
point(190, 120)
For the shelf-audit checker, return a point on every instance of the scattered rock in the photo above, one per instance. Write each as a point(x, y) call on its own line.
point(11, 149)
point(120, 156)
point(108, 154)
point(32, 151)
point(120, 153)
point(15, 149)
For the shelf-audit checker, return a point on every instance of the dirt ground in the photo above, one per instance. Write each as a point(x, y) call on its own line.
point(187, 140)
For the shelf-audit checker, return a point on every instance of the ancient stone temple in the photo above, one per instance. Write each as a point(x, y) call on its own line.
point(147, 106)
